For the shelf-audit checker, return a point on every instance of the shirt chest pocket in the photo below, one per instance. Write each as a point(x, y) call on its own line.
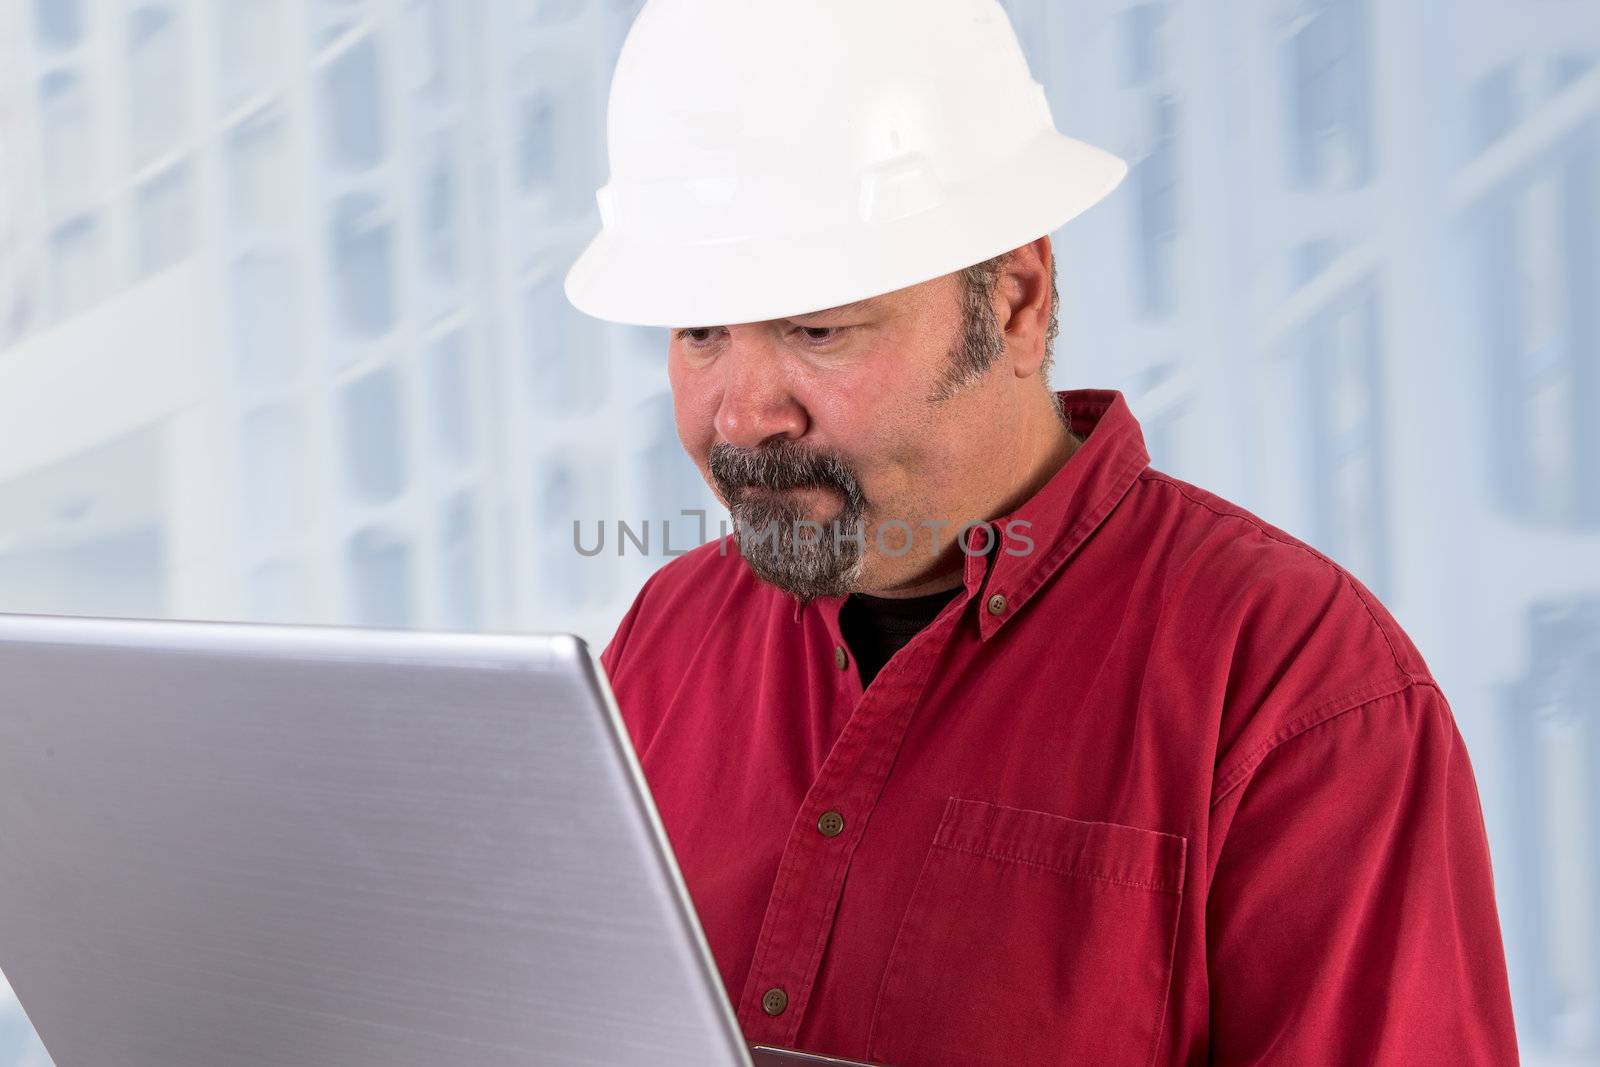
point(1031, 938)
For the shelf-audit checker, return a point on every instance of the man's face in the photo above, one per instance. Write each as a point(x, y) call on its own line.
point(816, 428)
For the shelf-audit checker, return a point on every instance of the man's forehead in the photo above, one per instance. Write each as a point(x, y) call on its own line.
point(868, 304)
point(928, 294)
point(871, 303)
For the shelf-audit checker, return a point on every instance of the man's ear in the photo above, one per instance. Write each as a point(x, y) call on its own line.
point(1023, 293)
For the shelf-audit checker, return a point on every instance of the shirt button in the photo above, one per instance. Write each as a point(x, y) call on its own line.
point(997, 604)
point(831, 824)
point(839, 657)
point(774, 1001)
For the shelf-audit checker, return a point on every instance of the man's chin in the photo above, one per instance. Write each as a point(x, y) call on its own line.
point(802, 572)
point(804, 586)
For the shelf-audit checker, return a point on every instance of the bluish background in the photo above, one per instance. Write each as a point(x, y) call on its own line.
point(282, 337)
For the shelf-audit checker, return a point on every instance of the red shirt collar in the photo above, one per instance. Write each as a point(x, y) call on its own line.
point(1056, 519)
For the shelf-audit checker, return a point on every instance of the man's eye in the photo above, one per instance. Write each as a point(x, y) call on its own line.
point(818, 335)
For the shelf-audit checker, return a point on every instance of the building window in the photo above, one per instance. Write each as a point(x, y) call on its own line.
point(561, 379)
point(1537, 265)
point(252, 39)
point(68, 146)
point(58, 24)
point(280, 591)
point(1341, 402)
point(1567, 68)
point(1155, 166)
point(260, 188)
point(1156, 178)
point(275, 469)
point(157, 96)
point(1162, 438)
point(332, 19)
point(550, 13)
point(379, 562)
point(1542, 368)
point(673, 481)
point(352, 108)
point(458, 564)
point(1331, 96)
point(165, 208)
point(449, 395)
point(373, 438)
point(1144, 44)
point(78, 269)
point(441, 225)
point(430, 36)
point(267, 348)
point(1494, 108)
point(536, 143)
point(1163, 423)
point(563, 578)
point(649, 343)
point(1552, 745)
point(363, 267)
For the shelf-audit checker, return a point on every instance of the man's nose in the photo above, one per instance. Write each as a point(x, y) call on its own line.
point(756, 403)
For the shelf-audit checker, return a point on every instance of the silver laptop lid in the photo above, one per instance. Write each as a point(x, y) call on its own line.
point(229, 843)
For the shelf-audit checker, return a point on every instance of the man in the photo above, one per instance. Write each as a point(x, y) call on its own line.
point(982, 742)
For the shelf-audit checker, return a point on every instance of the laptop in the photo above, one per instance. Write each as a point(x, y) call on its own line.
point(228, 843)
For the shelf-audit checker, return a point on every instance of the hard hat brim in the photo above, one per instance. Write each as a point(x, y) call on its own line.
point(756, 279)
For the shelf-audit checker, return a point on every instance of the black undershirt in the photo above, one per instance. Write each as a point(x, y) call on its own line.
point(876, 627)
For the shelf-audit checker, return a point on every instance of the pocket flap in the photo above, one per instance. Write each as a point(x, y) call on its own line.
point(1110, 851)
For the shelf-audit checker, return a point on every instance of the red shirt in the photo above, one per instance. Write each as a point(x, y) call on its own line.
point(1186, 794)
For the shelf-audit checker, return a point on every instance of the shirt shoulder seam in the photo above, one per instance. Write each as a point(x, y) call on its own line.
point(1344, 575)
point(1240, 769)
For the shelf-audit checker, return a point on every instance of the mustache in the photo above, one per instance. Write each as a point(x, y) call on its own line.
point(780, 466)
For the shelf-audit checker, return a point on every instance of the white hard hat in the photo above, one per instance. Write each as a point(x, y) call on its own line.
point(771, 158)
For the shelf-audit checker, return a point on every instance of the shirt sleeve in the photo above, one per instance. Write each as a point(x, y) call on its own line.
point(613, 650)
point(1351, 915)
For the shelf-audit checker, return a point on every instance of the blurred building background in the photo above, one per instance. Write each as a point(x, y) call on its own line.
point(282, 337)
